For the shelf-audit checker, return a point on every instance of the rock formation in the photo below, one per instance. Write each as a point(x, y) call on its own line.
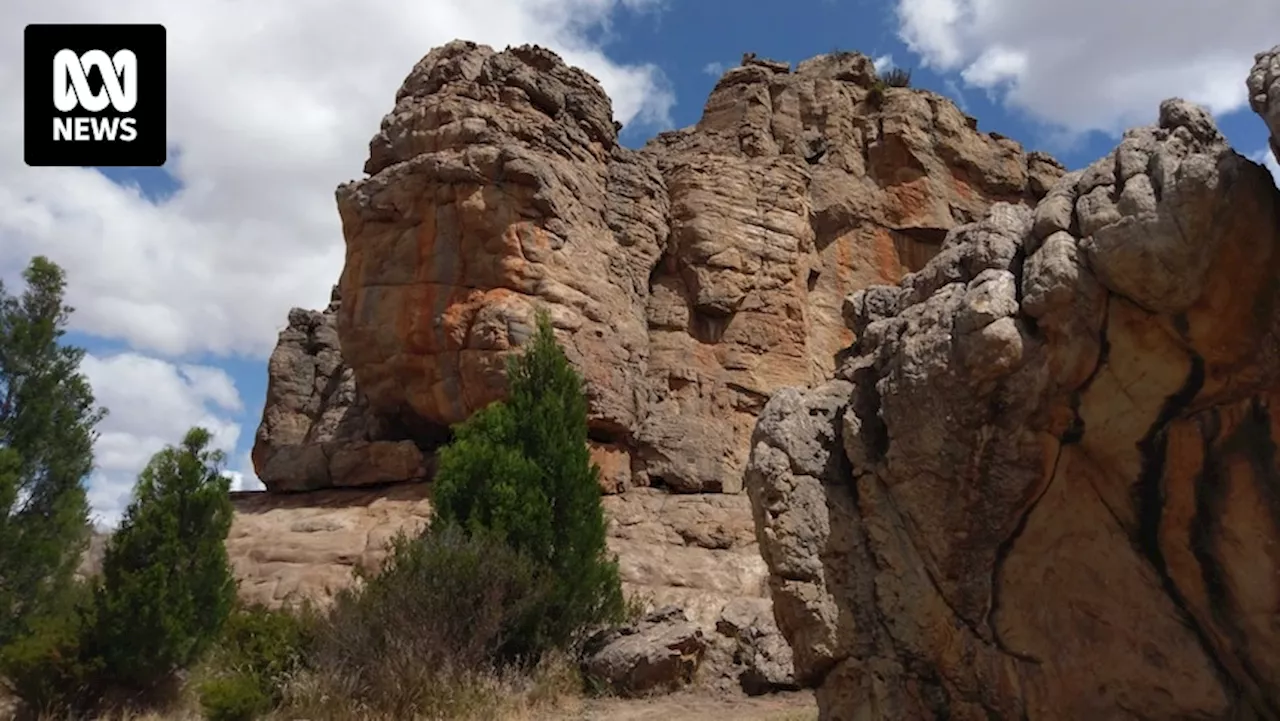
point(1264, 92)
point(689, 281)
point(1043, 483)
point(317, 430)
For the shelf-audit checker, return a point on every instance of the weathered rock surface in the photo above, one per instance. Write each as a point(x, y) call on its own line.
point(285, 549)
point(689, 279)
point(317, 430)
point(696, 552)
point(660, 652)
point(1043, 484)
point(1264, 92)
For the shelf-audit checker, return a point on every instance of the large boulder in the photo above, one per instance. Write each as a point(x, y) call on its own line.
point(1043, 483)
point(659, 652)
point(1264, 92)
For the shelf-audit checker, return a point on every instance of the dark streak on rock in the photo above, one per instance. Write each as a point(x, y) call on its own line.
point(1075, 432)
point(1002, 555)
point(1253, 442)
point(1149, 496)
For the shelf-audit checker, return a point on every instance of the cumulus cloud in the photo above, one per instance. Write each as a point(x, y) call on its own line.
point(269, 111)
point(1094, 64)
point(243, 478)
point(883, 63)
point(713, 69)
point(151, 403)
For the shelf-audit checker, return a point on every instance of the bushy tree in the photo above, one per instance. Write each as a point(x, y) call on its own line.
point(167, 587)
point(47, 421)
point(520, 469)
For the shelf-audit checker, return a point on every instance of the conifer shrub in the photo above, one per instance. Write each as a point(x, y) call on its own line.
point(520, 471)
point(234, 697)
point(48, 418)
point(160, 602)
point(166, 586)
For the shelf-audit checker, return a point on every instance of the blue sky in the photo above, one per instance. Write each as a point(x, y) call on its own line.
point(187, 271)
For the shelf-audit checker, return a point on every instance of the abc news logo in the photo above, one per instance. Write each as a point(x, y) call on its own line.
point(71, 90)
point(107, 105)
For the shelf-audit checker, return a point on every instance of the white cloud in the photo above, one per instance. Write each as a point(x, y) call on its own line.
point(151, 404)
point(270, 110)
point(883, 63)
point(1094, 64)
point(1268, 159)
point(713, 69)
point(243, 478)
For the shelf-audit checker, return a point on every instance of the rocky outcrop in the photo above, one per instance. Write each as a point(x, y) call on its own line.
point(317, 430)
point(689, 281)
point(1043, 483)
point(1264, 92)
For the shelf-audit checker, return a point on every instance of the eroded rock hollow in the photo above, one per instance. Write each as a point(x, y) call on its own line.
point(1044, 484)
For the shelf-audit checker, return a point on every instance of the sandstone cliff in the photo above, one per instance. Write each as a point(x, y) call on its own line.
point(689, 281)
point(1044, 483)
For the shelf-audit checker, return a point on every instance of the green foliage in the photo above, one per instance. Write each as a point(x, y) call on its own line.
point(521, 470)
point(166, 584)
point(47, 421)
point(46, 668)
point(435, 617)
point(259, 652)
point(234, 697)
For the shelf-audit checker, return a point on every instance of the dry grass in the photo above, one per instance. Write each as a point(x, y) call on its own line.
point(461, 696)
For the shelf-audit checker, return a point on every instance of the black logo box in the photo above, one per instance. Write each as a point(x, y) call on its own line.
point(41, 43)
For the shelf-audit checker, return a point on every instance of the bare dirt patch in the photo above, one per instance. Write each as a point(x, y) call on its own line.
point(689, 706)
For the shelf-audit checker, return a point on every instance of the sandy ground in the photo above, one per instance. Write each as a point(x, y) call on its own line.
point(690, 706)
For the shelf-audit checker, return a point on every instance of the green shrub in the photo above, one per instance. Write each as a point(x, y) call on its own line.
point(234, 697)
point(47, 669)
point(261, 648)
point(166, 584)
point(896, 78)
point(444, 605)
point(520, 469)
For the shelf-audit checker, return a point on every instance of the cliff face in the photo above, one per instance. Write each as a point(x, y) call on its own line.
point(1044, 483)
point(689, 281)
